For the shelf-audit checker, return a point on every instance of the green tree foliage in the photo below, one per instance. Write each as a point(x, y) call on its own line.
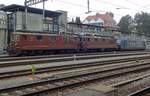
point(77, 20)
point(110, 13)
point(142, 21)
point(126, 24)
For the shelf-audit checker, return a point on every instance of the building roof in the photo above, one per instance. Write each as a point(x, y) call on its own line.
point(14, 7)
point(88, 25)
point(104, 17)
point(108, 20)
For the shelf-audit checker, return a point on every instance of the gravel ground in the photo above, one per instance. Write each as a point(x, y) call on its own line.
point(133, 87)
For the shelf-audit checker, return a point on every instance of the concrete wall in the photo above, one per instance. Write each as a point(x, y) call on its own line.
point(62, 21)
point(34, 21)
point(3, 37)
point(3, 43)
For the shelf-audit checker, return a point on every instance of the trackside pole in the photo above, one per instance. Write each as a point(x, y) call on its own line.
point(114, 52)
point(74, 57)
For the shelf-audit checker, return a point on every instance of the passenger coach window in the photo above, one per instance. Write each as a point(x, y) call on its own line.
point(39, 38)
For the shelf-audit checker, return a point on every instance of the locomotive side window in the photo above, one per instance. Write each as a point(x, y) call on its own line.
point(96, 39)
point(75, 38)
point(88, 39)
point(24, 37)
point(39, 38)
point(15, 38)
point(103, 39)
point(52, 39)
point(65, 40)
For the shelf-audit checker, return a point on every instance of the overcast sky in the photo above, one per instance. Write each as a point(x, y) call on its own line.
point(79, 7)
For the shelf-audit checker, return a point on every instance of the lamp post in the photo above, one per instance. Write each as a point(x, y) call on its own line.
point(26, 11)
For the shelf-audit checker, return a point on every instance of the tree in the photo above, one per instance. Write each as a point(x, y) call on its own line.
point(2, 5)
point(78, 21)
point(126, 24)
point(110, 14)
point(142, 21)
point(72, 20)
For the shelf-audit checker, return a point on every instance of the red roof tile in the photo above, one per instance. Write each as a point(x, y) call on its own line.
point(108, 20)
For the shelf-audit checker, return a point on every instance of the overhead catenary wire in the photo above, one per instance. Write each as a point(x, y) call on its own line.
point(92, 9)
point(133, 3)
point(116, 5)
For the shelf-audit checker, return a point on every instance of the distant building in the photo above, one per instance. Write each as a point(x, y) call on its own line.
point(105, 20)
point(13, 19)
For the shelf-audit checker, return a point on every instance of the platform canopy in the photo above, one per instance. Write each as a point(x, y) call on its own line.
point(15, 7)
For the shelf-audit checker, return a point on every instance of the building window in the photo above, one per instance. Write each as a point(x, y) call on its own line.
point(55, 28)
point(48, 27)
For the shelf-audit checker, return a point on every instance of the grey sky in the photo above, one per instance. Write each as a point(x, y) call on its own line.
point(79, 7)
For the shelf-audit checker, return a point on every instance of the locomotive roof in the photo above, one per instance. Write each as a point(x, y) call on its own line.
point(48, 34)
point(15, 7)
point(36, 33)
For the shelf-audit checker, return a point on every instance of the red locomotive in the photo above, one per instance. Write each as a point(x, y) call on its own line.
point(23, 43)
point(31, 43)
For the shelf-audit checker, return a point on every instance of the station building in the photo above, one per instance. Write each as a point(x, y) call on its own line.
point(14, 19)
point(3, 32)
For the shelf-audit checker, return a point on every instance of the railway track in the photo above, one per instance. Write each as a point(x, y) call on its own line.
point(57, 59)
point(107, 54)
point(138, 86)
point(108, 82)
point(142, 92)
point(70, 79)
point(79, 54)
point(22, 71)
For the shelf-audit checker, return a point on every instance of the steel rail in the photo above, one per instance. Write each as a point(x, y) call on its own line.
point(70, 79)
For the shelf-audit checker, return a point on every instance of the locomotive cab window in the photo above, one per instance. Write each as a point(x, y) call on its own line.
point(39, 38)
point(15, 38)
